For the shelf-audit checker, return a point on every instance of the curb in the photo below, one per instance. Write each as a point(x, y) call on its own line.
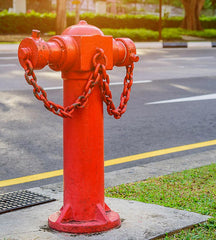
point(163, 44)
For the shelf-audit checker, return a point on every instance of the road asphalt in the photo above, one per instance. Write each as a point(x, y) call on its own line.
point(139, 220)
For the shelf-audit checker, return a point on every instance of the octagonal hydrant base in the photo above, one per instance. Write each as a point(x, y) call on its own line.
point(106, 220)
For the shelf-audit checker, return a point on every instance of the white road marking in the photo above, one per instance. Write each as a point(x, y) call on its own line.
point(188, 99)
point(135, 82)
point(53, 88)
point(188, 89)
point(185, 58)
point(7, 65)
point(114, 83)
point(8, 58)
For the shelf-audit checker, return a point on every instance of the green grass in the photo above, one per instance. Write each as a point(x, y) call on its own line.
point(9, 42)
point(192, 190)
point(177, 33)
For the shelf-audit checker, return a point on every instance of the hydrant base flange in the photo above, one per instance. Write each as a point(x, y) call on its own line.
point(105, 221)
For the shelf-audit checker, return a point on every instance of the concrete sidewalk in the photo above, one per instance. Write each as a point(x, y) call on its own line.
point(10, 47)
point(139, 220)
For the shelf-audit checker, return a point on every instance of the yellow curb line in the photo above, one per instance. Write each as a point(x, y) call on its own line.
point(56, 173)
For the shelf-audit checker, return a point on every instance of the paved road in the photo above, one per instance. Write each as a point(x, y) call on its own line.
point(172, 104)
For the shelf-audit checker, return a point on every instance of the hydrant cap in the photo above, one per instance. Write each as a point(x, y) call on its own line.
point(83, 28)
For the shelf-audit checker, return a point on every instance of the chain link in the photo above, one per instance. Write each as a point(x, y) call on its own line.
point(107, 94)
point(57, 109)
point(99, 75)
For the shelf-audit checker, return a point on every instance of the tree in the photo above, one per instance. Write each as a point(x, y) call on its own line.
point(192, 12)
point(213, 2)
point(39, 5)
point(61, 18)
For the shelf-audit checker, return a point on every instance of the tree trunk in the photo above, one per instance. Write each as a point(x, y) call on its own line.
point(61, 20)
point(77, 13)
point(213, 7)
point(192, 12)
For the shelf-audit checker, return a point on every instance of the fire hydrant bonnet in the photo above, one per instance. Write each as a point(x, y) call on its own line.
point(82, 29)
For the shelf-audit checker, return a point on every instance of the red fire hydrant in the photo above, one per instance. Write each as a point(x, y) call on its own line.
point(83, 54)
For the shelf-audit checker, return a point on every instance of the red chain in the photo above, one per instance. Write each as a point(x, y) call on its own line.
point(107, 95)
point(98, 76)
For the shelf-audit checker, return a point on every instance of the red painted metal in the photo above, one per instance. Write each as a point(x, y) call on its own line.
point(84, 209)
point(74, 53)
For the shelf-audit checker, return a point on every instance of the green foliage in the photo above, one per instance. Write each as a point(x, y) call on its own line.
point(207, 33)
point(177, 33)
point(191, 190)
point(24, 23)
point(46, 22)
point(171, 34)
point(138, 34)
point(168, 34)
point(141, 34)
point(122, 21)
point(208, 22)
point(209, 4)
point(206, 231)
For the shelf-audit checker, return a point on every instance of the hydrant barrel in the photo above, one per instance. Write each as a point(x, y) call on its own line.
point(84, 209)
point(83, 157)
point(83, 54)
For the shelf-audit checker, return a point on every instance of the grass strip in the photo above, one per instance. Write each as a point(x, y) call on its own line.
point(191, 190)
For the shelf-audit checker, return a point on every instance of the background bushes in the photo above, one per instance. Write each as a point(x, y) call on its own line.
point(45, 22)
point(24, 23)
point(136, 34)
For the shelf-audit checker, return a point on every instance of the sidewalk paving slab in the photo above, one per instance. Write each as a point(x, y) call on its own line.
point(140, 221)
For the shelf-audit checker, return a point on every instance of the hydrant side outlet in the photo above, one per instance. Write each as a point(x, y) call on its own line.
point(36, 50)
point(63, 52)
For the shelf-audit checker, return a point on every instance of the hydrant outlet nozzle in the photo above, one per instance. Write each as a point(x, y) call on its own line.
point(124, 51)
point(134, 57)
point(35, 50)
